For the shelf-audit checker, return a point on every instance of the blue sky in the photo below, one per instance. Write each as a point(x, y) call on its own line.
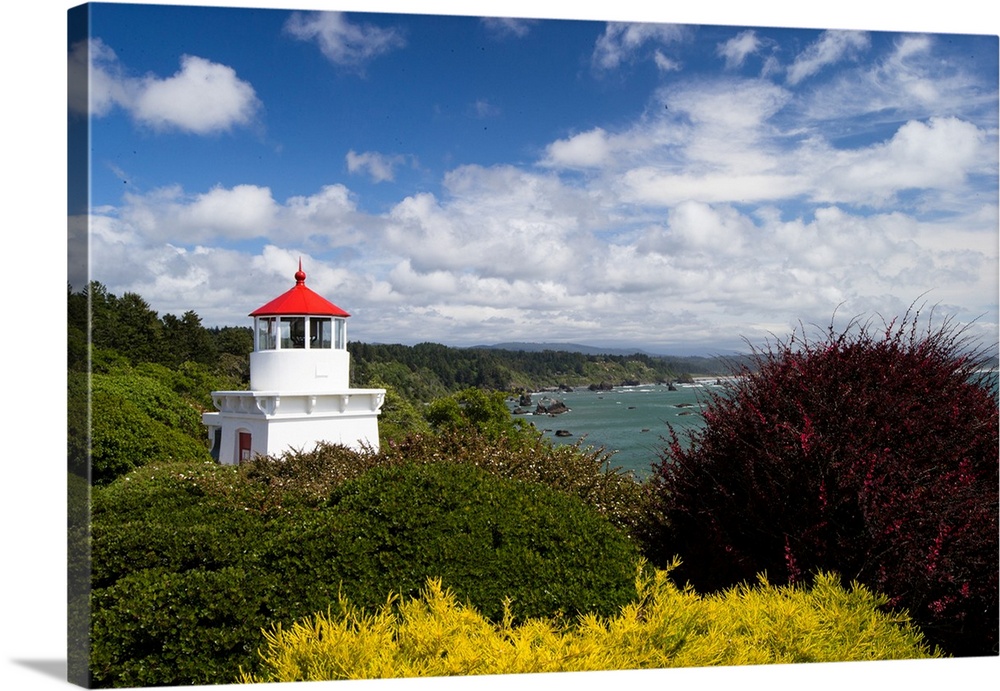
point(675, 187)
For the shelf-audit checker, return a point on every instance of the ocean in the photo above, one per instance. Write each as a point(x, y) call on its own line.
point(632, 421)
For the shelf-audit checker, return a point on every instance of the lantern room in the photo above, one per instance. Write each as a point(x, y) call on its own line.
point(300, 342)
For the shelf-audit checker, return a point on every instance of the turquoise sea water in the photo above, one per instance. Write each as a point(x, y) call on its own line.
point(630, 420)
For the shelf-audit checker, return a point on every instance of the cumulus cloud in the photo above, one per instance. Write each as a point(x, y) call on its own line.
point(622, 43)
point(203, 97)
point(585, 150)
point(829, 48)
point(327, 218)
point(498, 222)
point(342, 42)
point(938, 154)
point(242, 212)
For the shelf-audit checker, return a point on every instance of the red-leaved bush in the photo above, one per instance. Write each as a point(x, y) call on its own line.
point(869, 452)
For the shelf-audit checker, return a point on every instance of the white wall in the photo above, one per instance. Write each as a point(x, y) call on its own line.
point(300, 370)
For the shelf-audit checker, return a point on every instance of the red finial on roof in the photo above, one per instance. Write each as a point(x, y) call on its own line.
point(300, 275)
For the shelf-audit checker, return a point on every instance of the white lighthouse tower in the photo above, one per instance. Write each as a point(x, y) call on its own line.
point(299, 384)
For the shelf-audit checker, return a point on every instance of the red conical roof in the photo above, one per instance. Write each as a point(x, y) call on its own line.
point(300, 300)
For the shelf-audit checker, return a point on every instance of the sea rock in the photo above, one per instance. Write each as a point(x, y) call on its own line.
point(525, 399)
point(554, 407)
point(603, 386)
point(563, 433)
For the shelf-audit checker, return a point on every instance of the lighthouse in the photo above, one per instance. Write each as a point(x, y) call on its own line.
point(300, 392)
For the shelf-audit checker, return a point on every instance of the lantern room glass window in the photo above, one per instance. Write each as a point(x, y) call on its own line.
point(320, 332)
point(293, 332)
point(266, 333)
point(340, 334)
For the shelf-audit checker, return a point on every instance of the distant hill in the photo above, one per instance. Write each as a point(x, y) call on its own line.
point(700, 364)
point(516, 346)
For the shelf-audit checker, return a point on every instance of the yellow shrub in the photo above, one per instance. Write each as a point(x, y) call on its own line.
point(435, 635)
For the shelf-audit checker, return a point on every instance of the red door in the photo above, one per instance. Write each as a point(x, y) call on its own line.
point(244, 454)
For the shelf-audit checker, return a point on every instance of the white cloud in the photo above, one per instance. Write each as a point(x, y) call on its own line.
point(497, 222)
point(325, 212)
point(914, 77)
point(622, 43)
point(912, 81)
point(342, 42)
point(203, 97)
point(380, 167)
point(243, 212)
point(665, 64)
point(736, 49)
point(585, 150)
point(648, 185)
point(729, 105)
point(937, 155)
point(326, 219)
point(831, 47)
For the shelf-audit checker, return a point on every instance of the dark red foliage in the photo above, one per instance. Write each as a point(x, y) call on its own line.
point(870, 453)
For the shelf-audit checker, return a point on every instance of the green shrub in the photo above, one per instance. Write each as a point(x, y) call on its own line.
point(162, 517)
point(871, 454)
point(135, 419)
point(305, 477)
point(490, 538)
point(178, 592)
point(164, 627)
point(583, 473)
point(436, 635)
